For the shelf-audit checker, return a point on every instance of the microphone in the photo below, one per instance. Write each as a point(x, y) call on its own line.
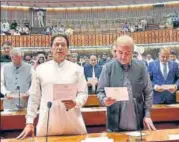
point(138, 119)
point(49, 105)
point(19, 106)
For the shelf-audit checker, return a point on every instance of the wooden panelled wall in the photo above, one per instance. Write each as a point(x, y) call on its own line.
point(95, 39)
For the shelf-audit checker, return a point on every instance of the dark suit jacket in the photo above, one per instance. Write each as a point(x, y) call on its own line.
point(158, 79)
point(5, 58)
point(88, 71)
point(112, 75)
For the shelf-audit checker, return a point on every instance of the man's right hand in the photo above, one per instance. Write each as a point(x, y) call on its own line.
point(89, 84)
point(109, 101)
point(9, 97)
point(28, 130)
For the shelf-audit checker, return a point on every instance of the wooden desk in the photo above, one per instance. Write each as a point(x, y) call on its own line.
point(177, 96)
point(92, 101)
point(159, 135)
point(1, 104)
point(96, 116)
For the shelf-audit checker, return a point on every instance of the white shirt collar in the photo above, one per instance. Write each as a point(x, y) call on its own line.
point(59, 64)
point(163, 64)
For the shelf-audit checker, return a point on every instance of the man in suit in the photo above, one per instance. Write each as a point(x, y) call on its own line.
point(131, 73)
point(92, 70)
point(164, 72)
point(173, 56)
point(104, 60)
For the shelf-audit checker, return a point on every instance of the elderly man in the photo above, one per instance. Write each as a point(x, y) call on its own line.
point(74, 58)
point(16, 76)
point(64, 113)
point(130, 73)
point(164, 72)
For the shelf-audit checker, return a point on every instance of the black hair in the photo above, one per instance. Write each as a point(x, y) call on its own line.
point(173, 52)
point(60, 35)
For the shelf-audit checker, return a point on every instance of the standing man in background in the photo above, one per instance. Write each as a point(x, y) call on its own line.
point(164, 72)
point(104, 60)
point(14, 74)
point(173, 56)
point(6, 48)
point(113, 50)
point(92, 70)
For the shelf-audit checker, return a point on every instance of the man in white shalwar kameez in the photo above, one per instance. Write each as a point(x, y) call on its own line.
point(56, 71)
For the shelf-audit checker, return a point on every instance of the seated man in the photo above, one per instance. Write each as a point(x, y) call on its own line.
point(164, 72)
point(16, 76)
point(92, 70)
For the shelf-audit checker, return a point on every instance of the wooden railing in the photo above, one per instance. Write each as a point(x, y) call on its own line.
point(95, 39)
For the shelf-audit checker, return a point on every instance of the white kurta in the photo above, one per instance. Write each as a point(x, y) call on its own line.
point(61, 122)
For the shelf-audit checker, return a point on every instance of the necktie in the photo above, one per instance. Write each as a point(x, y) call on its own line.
point(93, 75)
point(165, 71)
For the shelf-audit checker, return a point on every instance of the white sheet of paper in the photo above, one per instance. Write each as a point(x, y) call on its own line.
point(117, 93)
point(6, 112)
point(173, 137)
point(135, 134)
point(64, 92)
point(173, 105)
point(98, 139)
point(16, 95)
point(168, 86)
point(92, 80)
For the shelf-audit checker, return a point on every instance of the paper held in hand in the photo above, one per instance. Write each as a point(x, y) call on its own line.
point(117, 93)
point(168, 86)
point(64, 92)
point(93, 81)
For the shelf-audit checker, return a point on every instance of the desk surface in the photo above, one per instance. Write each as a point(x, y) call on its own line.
point(159, 135)
point(160, 113)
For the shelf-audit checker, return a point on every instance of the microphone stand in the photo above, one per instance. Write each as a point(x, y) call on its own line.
point(138, 120)
point(49, 105)
point(19, 106)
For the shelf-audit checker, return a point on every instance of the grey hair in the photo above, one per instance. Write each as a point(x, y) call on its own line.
point(16, 51)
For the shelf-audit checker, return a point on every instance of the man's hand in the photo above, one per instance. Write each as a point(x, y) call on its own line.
point(148, 123)
point(25, 98)
point(69, 104)
point(109, 101)
point(9, 97)
point(159, 88)
point(172, 89)
point(89, 84)
point(28, 130)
